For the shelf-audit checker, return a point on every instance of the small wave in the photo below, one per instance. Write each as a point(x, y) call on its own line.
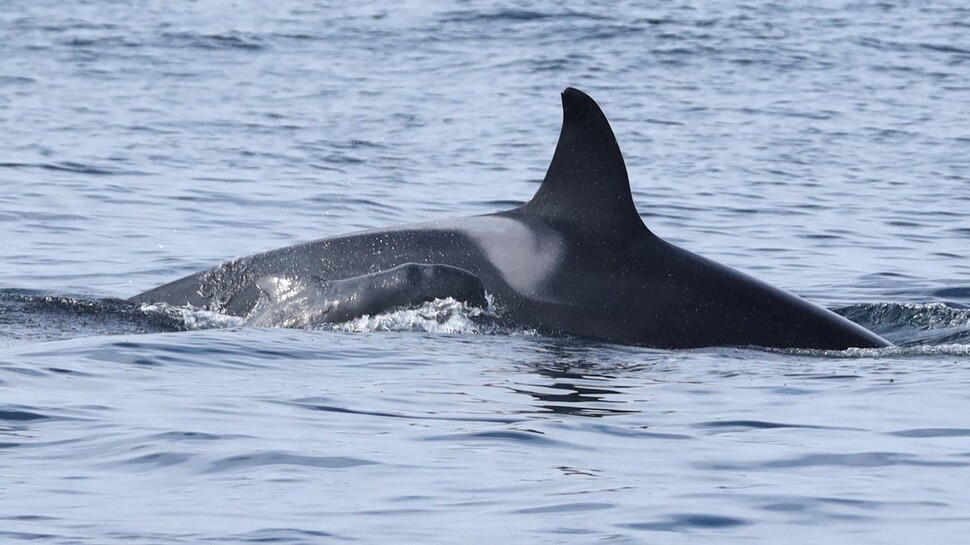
point(945, 48)
point(228, 40)
point(956, 292)
point(912, 324)
point(18, 414)
point(71, 166)
point(690, 521)
point(32, 316)
point(923, 433)
point(29, 316)
point(514, 15)
point(244, 462)
point(16, 80)
point(283, 535)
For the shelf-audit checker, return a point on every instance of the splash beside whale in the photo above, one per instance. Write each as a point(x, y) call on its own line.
point(576, 259)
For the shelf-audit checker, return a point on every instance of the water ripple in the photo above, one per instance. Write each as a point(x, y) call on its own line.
point(923, 433)
point(687, 522)
point(11, 414)
point(242, 462)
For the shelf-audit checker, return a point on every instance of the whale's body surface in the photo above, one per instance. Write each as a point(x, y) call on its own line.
point(307, 301)
point(576, 259)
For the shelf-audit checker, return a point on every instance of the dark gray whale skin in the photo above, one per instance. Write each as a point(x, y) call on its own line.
point(576, 259)
point(286, 302)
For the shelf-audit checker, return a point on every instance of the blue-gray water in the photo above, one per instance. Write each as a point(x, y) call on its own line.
point(822, 147)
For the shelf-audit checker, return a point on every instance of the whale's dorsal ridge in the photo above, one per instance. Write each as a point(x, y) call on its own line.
point(587, 180)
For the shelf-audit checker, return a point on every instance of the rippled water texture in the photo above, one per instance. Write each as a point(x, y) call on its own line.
point(821, 147)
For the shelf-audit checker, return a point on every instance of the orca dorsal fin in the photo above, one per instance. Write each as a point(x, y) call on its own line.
point(587, 180)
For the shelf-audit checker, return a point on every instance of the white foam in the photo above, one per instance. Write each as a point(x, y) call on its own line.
point(438, 316)
point(194, 318)
point(889, 351)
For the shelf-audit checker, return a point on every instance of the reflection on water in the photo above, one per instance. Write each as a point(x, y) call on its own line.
point(570, 393)
point(574, 378)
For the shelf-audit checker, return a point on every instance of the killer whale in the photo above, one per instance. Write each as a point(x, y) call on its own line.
point(575, 259)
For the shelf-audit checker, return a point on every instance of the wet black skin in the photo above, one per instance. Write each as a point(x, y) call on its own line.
point(288, 303)
point(576, 259)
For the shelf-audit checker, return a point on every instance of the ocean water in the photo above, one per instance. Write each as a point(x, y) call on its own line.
point(820, 146)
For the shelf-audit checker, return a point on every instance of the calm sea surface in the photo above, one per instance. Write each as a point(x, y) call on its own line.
point(823, 147)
